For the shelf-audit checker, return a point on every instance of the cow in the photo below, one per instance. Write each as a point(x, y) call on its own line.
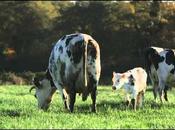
point(74, 67)
point(160, 65)
point(134, 82)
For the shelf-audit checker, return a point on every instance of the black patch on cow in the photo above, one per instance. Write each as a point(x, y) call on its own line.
point(158, 59)
point(71, 59)
point(91, 49)
point(90, 63)
point(36, 82)
point(49, 77)
point(172, 71)
point(70, 38)
point(77, 51)
point(92, 81)
point(68, 53)
point(170, 58)
point(152, 57)
point(62, 71)
point(63, 38)
point(61, 49)
point(131, 79)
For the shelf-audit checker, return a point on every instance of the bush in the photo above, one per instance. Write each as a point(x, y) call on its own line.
point(11, 78)
point(27, 76)
point(18, 78)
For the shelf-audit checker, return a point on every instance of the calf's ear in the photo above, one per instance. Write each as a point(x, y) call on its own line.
point(131, 79)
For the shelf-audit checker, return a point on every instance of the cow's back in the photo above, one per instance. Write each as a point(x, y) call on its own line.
point(93, 66)
point(140, 77)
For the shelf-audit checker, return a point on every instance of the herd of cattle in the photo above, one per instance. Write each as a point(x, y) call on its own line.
point(74, 67)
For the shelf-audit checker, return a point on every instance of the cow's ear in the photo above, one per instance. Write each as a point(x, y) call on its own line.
point(37, 82)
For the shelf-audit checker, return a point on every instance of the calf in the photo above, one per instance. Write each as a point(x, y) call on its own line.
point(74, 67)
point(160, 64)
point(134, 83)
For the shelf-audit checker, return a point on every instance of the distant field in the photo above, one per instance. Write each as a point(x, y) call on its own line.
point(18, 109)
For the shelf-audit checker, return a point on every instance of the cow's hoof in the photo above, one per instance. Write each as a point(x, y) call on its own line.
point(71, 111)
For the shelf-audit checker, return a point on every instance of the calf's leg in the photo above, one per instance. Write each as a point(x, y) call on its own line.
point(155, 91)
point(133, 102)
point(127, 98)
point(134, 99)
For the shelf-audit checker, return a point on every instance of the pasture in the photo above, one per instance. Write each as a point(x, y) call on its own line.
point(18, 109)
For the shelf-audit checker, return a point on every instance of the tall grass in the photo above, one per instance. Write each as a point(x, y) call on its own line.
point(18, 109)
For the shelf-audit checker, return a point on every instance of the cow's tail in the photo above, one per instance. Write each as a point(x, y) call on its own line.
point(85, 63)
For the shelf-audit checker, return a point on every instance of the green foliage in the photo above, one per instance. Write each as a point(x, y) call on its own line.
point(123, 30)
point(18, 109)
point(17, 78)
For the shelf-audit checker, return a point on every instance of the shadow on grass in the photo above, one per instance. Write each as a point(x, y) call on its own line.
point(120, 105)
point(101, 107)
point(11, 113)
point(158, 105)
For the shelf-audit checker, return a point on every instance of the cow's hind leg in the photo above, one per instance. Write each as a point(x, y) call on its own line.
point(92, 86)
point(72, 97)
point(161, 90)
point(161, 93)
point(155, 91)
point(165, 93)
point(93, 97)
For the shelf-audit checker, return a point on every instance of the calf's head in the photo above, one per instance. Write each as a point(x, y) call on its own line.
point(44, 92)
point(118, 80)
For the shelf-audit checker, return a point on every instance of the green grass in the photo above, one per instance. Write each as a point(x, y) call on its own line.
point(18, 109)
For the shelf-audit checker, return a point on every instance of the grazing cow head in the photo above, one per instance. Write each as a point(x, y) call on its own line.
point(119, 80)
point(44, 92)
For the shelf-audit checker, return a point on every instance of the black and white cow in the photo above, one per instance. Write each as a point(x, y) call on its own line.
point(160, 65)
point(74, 67)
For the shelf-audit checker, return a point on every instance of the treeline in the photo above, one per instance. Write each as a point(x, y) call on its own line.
point(29, 30)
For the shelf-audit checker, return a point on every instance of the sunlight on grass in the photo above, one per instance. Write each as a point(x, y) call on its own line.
point(18, 109)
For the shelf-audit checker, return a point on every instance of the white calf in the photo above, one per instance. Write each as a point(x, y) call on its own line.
point(134, 84)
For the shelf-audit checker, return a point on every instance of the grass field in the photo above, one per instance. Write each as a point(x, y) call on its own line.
point(18, 109)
